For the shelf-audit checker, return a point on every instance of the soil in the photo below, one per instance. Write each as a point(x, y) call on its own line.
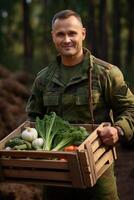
point(13, 191)
point(124, 168)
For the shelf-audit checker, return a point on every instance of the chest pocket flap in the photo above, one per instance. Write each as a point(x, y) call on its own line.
point(82, 96)
point(81, 99)
point(51, 100)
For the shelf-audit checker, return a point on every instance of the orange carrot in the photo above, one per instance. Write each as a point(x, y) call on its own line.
point(63, 159)
point(71, 148)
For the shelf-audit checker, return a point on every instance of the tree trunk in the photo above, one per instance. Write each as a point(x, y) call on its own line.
point(130, 41)
point(27, 37)
point(116, 32)
point(103, 26)
point(91, 28)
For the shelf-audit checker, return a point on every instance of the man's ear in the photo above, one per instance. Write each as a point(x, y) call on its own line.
point(84, 33)
point(52, 35)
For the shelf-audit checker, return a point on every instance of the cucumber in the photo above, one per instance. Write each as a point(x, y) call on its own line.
point(14, 141)
point(20, 147)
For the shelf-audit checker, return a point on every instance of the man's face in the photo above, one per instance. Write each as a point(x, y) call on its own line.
point(68, 35)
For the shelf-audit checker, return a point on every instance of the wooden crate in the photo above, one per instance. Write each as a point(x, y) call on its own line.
point(79, 169)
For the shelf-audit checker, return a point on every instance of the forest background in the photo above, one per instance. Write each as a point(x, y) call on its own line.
point(25, 32)
point(26, 47)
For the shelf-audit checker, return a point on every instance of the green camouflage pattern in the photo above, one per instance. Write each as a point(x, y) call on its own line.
point(71, 102)
point(109, 92)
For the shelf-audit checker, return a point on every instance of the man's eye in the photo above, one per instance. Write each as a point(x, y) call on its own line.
point(60, 34)
point(72, 33)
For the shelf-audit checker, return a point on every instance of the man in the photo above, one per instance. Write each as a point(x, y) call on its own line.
point(83, 89)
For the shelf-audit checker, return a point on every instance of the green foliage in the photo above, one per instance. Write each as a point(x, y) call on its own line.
point(42, 49)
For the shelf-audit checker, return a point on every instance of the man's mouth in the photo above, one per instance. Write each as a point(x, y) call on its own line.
point(67, 47)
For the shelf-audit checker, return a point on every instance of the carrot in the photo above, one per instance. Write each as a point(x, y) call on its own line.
point(63, 159)
point(71, 148)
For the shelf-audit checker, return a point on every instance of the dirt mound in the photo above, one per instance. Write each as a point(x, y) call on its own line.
point(14, 93)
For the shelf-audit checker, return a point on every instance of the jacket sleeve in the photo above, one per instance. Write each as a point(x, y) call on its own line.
point(35, 106)
point(121, 101)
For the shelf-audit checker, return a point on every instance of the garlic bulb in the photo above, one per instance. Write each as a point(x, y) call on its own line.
point(29, 134)
point(37, 143)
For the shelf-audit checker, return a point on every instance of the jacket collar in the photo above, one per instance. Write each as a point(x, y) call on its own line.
point(86, 64)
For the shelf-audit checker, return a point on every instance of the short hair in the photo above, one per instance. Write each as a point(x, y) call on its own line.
point(64, 14)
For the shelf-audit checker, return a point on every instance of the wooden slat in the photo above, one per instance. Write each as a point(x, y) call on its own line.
point(86, 170)
point(37, 174)
point(108, 157)
point(91, 137)
point(36, 154)
point(75, 172)
point(96, 144)
point(91, 161)
point(28, 163)
point(99, 152)
point(103, 169)
point(88, 127)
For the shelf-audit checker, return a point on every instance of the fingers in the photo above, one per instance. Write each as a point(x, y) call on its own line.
point(108, 135)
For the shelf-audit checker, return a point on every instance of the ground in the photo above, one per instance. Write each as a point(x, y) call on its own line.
point(12, 191)
point(124, 167)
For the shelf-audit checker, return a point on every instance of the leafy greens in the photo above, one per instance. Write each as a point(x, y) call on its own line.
point(58, 133)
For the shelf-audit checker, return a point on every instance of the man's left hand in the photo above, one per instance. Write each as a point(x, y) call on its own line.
point(108, 134)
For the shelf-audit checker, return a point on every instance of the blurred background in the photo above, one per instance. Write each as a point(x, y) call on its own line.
point(26, 47)
point(25, 32)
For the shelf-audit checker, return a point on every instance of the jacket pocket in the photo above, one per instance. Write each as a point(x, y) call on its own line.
point(81, 99)
point(97, 99)
point(51, 100)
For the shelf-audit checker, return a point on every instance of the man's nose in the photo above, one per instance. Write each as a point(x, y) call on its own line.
point(66, 39)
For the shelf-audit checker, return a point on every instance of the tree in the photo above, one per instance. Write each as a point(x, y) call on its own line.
point(130, 39)
point(103, 30)
point(116, 32)
point(91, 28)
point(27, 36)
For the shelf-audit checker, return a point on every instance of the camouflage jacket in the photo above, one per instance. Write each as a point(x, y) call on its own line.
point(101, 95)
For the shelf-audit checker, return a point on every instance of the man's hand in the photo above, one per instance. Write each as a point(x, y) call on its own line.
point(108, 134)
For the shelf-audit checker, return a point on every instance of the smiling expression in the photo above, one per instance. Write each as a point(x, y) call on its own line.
point(68, 35)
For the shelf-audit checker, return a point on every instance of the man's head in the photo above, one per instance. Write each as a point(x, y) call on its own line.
point(68, 34)
point(64, 14)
